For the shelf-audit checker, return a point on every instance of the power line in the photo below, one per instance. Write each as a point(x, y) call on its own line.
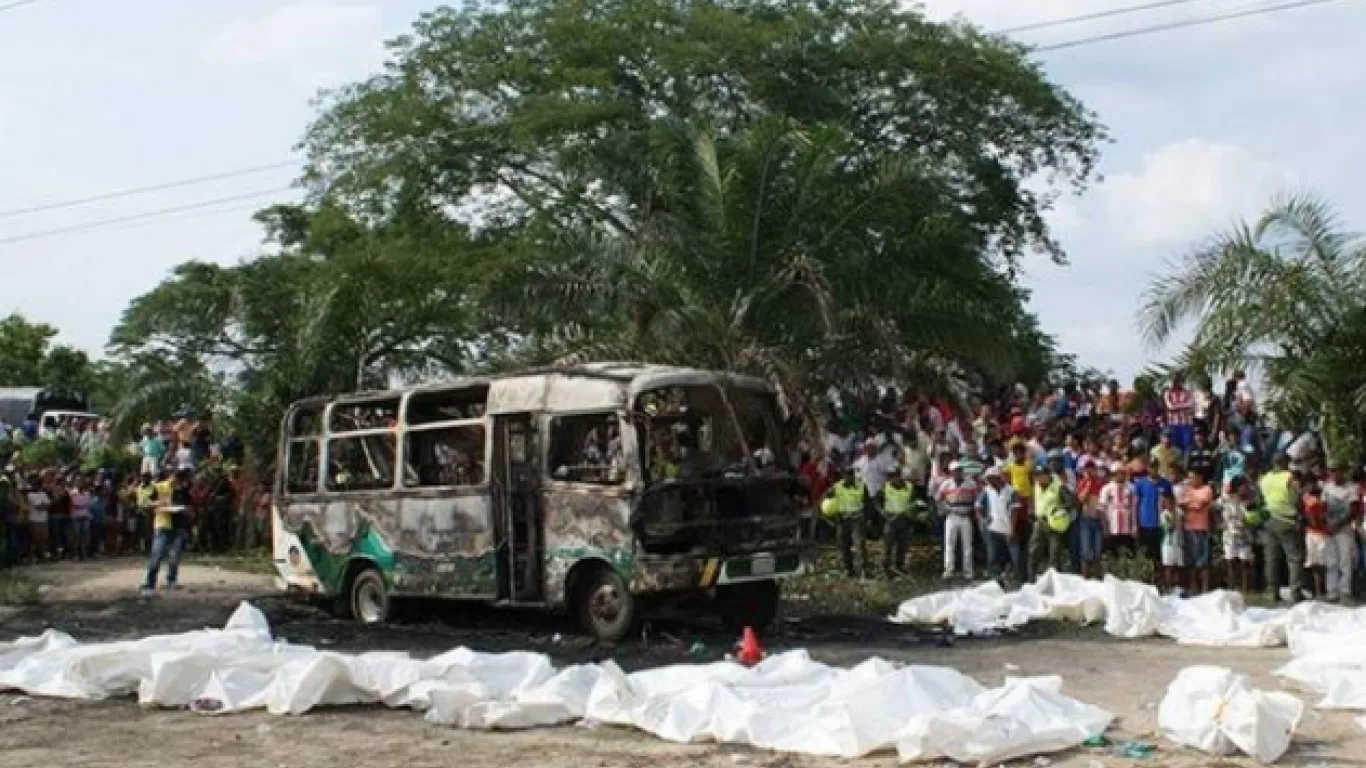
point(1094, 16)
point(153, 214)
point(1157, 4)
point(143, 190)
point(1196, 22)
point(18, 4)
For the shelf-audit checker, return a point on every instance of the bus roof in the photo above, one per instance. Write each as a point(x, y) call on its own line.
point(589, 386)
point(19, 393)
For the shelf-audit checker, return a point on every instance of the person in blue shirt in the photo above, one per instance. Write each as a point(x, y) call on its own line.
point(30, 427)
point(1146, 494)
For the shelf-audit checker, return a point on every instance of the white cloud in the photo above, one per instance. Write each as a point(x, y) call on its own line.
point(313, 38)
point(1183, 189)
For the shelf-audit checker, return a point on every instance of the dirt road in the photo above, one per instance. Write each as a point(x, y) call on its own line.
point(99, 602)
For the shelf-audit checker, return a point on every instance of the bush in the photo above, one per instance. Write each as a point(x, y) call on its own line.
point(121, 461)
point(48, 453)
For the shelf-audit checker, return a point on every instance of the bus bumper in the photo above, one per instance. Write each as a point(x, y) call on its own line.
point(672, 573)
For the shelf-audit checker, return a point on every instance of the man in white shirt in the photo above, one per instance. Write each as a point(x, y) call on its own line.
point(874, 465)
point(957, 497)
point(993, 506)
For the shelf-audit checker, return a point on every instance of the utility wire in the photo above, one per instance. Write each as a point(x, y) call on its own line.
point(1152, 6)
point(1195, 22)
point(153, 214)
point(143, 190)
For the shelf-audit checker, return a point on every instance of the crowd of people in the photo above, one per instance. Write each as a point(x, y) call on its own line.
point(1083, 477)
point(188, 491)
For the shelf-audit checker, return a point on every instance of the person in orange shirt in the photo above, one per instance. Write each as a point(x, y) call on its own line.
point(1196, 499)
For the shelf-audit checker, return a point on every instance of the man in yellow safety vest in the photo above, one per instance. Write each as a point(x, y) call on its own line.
point(896, 497)
point(1052, 517)
point(843, 507)
point(1281, 535)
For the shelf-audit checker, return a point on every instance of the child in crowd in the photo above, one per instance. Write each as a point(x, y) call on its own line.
point(1315, 532)
point(1173, 543)
point(1239, 519)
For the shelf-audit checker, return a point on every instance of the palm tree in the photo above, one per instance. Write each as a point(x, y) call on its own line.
point(781, 252)
point(1282, 295)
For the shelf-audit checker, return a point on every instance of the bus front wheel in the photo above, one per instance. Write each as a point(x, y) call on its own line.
point(369, 598)
point(606, 607)
point(750, 604)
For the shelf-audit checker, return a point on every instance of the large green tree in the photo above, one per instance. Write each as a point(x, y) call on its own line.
point(764, 252)
point(833, 190)
point(29, 359)
point(23, 346)
point(1282, 295)
point(331, 306)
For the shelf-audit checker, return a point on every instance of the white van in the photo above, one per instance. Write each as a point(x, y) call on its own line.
point(51, 420)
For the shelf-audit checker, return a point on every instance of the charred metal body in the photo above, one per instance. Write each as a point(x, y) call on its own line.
point(583, 488)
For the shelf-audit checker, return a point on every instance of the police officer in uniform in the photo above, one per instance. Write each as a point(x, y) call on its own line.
point(843, 507)
point(897, 499)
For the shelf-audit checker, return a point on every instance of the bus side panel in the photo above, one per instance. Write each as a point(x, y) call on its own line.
point(445, 545)
point(584, 523)
point(312, 541)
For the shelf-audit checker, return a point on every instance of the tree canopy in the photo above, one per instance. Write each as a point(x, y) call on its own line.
point(822, 192)
point(1281, 295)
point(28, 358)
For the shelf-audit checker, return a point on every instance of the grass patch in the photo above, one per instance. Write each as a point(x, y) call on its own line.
point(17, 588)
point(256, 561)
point(826, 589)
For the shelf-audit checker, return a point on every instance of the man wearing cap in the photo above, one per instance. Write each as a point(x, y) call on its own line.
point(995, 508)
point(1052, 517)
point(957, 496)
point(843, 507)
point(1119, 511)
point(896, 499)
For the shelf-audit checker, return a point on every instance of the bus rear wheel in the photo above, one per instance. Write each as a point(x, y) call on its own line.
point(750, 604)
point(369, 599)
point(605, 605)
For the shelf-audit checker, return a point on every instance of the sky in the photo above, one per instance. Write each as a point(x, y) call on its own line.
point(1208, 125)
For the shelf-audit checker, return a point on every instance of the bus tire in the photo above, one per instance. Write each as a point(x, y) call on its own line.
point(748, 604)
point(369, 598)
point(604, 603)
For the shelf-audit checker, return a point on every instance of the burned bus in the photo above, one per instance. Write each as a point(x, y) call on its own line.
point(597, 489)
